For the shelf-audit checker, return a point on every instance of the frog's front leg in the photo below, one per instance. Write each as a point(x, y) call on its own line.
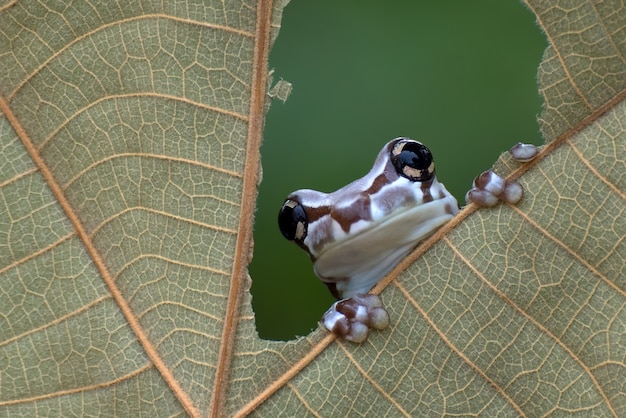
point(352, 318)
point(489, 189)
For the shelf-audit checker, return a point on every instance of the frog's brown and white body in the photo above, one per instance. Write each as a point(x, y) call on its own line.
point(358, 233)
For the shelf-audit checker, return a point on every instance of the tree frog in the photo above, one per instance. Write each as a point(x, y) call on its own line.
point(357, 234)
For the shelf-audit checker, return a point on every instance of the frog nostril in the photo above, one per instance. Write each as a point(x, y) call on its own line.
point(412, 160)
point(292, 221)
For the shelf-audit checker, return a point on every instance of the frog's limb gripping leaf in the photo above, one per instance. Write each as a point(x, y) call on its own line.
point(352, 318)
point(490, 189)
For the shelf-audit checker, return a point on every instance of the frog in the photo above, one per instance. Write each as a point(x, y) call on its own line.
point(355, 235)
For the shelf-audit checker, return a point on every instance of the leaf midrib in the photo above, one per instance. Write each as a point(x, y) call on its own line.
point(252, 167)
point(93, 253)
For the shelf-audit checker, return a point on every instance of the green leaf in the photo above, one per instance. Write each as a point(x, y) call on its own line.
point(129, 162)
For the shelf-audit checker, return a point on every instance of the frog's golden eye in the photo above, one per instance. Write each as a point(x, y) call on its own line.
point(413, 160)
point(292, 221)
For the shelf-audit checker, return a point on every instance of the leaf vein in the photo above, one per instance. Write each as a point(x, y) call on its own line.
point(531, 320)
point(80, 389)
point(56, 321)
point(559, 56)
point(19, 176)
point(97, 260)
point(37, 253)
point(372, 381)
point(281, 381)
point(571, 252)
point(608, 34)
point(243, 246)
point(175, 262)
point(205, 314)
point(70, 118)
point(303, 400)
point(595, 171)
point(453, 348)
point(162, 213)
point(120, 23)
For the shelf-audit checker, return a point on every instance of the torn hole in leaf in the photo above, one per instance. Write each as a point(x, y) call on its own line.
point(409, 70)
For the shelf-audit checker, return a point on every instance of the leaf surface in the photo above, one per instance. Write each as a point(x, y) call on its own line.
point(129, 162)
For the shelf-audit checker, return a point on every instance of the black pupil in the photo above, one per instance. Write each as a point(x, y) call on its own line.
point(290, 216)
point(415, 155)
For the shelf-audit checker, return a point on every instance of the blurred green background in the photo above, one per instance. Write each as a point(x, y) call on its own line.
point(459, 76)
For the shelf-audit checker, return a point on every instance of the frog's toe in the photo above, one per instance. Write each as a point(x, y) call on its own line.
point(379, 318)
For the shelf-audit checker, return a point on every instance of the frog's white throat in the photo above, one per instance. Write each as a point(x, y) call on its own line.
point(354, 261)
